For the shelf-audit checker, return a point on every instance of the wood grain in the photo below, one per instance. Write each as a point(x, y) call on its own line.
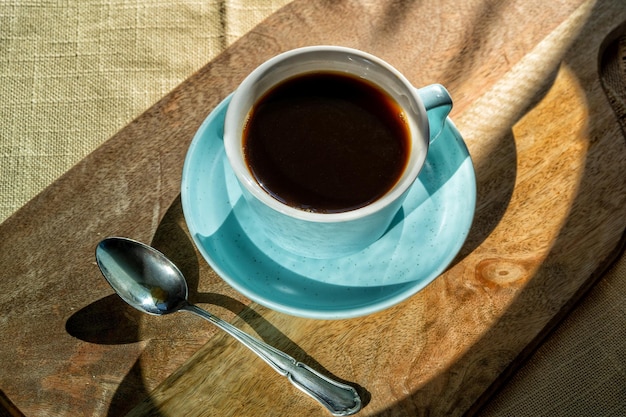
point(538, 133)
point(549, 157)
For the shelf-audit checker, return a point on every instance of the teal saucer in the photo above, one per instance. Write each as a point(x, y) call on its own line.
point(423, 239)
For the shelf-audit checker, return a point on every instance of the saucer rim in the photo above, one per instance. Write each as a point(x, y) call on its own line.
point(413, 286)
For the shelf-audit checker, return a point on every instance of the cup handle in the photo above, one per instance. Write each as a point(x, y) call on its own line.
point(438, 104)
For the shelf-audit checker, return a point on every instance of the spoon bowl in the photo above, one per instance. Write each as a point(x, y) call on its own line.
point(147, 280)
point(142, 276)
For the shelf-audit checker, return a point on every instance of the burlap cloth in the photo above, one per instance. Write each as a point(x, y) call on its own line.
point(74, 72)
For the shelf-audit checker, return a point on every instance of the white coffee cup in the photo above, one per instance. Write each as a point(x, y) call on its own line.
point(329, 235)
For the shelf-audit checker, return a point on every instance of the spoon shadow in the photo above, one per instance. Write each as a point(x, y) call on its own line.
point(173, 240)
point(110, 321)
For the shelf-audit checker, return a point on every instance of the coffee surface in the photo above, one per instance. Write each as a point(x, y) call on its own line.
point(326, 142)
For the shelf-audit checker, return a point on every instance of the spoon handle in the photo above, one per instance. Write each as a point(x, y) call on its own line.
point(340, 399)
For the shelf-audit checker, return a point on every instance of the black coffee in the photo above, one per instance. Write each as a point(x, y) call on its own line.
point(326, 142)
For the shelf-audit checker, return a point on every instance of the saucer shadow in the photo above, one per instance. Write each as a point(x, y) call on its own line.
point(496, 175)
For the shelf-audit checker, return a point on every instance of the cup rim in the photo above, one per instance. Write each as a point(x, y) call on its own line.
point(233, 139)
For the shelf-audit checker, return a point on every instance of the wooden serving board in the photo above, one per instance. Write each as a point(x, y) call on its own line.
point(550, 159)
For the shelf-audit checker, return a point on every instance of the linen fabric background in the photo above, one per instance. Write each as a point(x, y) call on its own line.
point(74, 72)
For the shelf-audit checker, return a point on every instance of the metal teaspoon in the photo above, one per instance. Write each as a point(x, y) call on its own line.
point(151, 283)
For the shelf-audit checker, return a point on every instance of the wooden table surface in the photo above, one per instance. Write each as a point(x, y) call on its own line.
point(549, 157)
